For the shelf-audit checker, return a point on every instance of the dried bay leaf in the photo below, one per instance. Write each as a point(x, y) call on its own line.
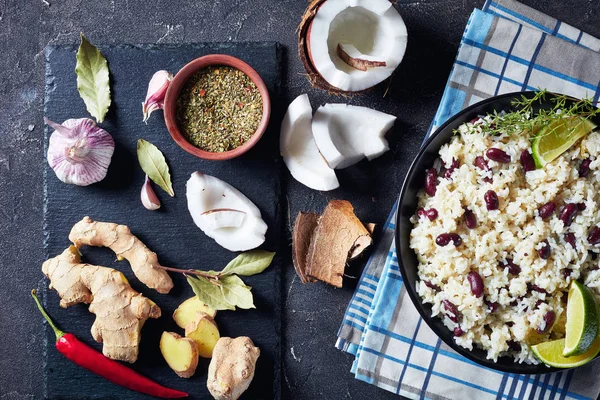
point(236, 292)
point(93, 82)
point(249, 263)
point(153, 163)
point(209, 293)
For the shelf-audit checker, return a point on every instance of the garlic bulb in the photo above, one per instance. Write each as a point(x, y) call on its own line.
point(157, 90)
point(79, 151)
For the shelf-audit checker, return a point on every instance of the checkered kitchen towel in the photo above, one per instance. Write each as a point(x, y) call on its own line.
point(506, 47)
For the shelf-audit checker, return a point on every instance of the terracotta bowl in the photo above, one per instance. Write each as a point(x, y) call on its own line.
point(179, 81)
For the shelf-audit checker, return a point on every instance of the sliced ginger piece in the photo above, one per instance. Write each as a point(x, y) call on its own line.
point(180, 353)
point(232, 367)
point(186, 312)
point(120, 311)
point(205, 332)
point(119, 239)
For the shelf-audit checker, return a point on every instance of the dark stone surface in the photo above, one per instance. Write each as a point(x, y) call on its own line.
point(315, 369)
point(169, 231)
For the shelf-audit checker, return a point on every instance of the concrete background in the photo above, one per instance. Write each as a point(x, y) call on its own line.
point(314, 369)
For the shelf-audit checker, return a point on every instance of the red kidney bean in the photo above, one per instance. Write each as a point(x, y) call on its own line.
point(549, 319)
point(421, 212)
point(538, 304)
point(513, 268)
point(431, 181)
point(545, 251)
point(445, 238)
point(475, 120)
point(492, 306)
point(567, 213)
point(482, 164)
point(584, 168)
point(527, 161)
point(497, 155)
point(570, 238)
point(566, 272)
point(476, 283)
point(514, 346)
point(451, 311)
point(432, 286)
point(470, 219)
point(535, 288)
point(509, 324)
point(594, 236)
point(491, 200)
point(432, 214)
point(458, 331)
point(581, 206)
point(546, 210)
point(593, 256)
point(451, 168)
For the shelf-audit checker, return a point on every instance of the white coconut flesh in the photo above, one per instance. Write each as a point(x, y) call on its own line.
point(346, 134)
point(299, 151)
point(367, 29)
point(222, 218)
point(206, 193)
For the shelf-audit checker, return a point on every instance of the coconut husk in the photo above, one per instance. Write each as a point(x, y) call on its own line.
point(362, 242)
point(304, 228)
point(336, 234)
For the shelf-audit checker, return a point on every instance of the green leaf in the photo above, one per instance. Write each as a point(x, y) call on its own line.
point(93, 82)
point(249, 263)
point(209, 293)
point(236, 292)
point(154, 165)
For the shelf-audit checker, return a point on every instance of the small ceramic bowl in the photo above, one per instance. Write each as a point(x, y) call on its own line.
point(179, 81)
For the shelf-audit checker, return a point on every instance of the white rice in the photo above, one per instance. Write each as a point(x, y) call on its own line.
point(514, 231)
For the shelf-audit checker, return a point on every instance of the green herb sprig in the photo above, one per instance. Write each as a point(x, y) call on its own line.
point(525, 120)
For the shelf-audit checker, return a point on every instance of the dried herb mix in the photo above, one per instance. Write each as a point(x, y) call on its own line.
point(219, 109)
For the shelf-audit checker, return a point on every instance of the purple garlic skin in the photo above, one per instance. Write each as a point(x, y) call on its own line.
point(148, 196)
point(79, 151)
point(155, 96)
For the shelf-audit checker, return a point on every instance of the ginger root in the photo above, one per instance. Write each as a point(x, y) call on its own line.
point(119, 239)
point(205, 332)
point(180, 353)
point(232, 367)
point(120, 311)
point(186, 312)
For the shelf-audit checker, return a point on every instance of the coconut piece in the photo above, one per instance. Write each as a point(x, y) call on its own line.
point(346, 134)
point(205, 193)
point(354, 58)
point(304, 228)
point(299, 150)
point(223, 218)
point(334, 237)
point(373, 27)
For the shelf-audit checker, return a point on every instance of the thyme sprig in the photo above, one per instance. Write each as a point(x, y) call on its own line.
point(526, 120)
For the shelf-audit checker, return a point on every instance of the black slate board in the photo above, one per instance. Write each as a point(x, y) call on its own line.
point(170, 231)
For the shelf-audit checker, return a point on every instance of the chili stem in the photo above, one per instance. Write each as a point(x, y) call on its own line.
point(190, 272)
point(57, 331)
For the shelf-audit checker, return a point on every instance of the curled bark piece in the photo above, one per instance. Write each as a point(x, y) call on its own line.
point(361, 64)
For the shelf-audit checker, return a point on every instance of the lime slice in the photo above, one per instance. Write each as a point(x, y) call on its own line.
point(557, 137)
point(582, 320)
point(550, 353)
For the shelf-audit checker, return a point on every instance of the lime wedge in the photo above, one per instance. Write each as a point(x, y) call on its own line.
point(582, 320)
point(557, 137)
point(550, 353)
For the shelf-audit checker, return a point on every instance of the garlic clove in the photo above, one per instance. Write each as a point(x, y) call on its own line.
point(155, 96)
point(79, 152)
point(148, 196)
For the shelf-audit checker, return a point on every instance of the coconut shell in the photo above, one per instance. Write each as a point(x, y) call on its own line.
point(304, 228)
point(337, 233)
point(304, 51)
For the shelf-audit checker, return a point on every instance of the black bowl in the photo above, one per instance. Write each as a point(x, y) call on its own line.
point(407, 207)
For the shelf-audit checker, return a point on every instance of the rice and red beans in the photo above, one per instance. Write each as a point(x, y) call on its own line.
point(498, 241)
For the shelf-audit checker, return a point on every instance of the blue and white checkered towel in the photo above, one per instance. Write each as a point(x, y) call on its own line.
point(506, 47)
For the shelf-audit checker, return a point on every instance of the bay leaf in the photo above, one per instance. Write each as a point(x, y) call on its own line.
point(249, 263)
point(93, 82)
point(153, 163)
point(209, 293)
point(236, 292)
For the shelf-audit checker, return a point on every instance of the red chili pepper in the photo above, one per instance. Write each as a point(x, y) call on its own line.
point(87, 357)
